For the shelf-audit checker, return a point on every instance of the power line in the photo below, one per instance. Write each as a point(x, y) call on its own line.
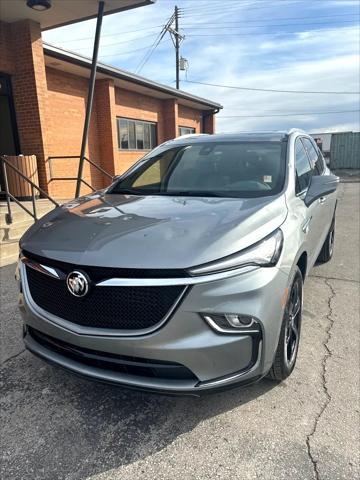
point(273, 25)
point(155, 44)
point(287, 114)
point(221, 9)
point(112, 34)
point(198, 25)
point(272, 19)
point(275, 34)
point(118, 43)
point(151, 50)
point(270, 89)
point(209, 7)
point(221, 5)
point(126, 52)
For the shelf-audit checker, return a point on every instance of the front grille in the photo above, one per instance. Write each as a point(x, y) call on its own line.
point(125, 308)
point(118, 363)
point(99, 273)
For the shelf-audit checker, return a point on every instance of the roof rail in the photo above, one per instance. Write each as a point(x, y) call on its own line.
point(296, 130)
point(192, 135)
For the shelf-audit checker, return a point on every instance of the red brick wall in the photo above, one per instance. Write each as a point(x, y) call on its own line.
point(139, 107)
point(188, 117)
point(170, 117)
point(30, 91)
point(106, 125)
point(208, 123)
point(50, 110)
point(167, 114)
point(67, 96)
point(6, 59)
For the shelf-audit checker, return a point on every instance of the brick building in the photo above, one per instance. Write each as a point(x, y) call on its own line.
point(43, 91)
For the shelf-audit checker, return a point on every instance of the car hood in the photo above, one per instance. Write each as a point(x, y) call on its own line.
point(152, 231)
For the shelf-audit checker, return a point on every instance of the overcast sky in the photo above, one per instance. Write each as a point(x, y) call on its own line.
point(310, 45)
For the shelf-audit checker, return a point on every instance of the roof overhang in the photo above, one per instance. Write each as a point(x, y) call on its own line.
point(76, 64)
point(64, 13)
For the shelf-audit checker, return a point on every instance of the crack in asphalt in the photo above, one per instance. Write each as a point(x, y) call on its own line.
point(335, 278)
point(327, 355)
point(13, 356)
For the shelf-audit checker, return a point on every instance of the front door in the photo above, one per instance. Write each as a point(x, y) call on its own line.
point(311, 217)
point(9, 144)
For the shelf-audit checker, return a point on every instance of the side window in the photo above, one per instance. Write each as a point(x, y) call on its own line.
point(315, 156)
point(303, 168)
point(155, 173)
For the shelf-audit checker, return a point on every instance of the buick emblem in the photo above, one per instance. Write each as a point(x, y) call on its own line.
point(77, 284)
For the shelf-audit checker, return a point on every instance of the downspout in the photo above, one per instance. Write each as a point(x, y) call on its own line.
point(90, 97)
point(204, 115)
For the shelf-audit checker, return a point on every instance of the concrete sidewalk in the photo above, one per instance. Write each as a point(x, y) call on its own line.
point(57, 426)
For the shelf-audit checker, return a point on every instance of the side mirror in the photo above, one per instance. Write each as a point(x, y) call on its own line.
point(320, 185)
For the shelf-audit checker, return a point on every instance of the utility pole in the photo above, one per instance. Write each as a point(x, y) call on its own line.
point(177, 47)
point(176, 38)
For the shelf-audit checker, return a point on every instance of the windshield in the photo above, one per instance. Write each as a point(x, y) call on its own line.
point(227, 169)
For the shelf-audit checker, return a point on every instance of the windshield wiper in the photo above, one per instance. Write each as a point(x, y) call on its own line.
point(189, 193)
point(177, 193)
point(129, 191)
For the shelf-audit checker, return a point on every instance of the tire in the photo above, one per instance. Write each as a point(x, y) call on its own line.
point(327, 249)
point(288, 345)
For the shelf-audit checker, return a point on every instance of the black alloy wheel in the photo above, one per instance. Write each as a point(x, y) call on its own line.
point(288, 346)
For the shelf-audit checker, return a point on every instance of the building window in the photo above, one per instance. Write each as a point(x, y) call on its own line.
point(186, 130)
point(136, 135)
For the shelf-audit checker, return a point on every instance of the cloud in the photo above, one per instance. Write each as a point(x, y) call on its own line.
point(296, 56)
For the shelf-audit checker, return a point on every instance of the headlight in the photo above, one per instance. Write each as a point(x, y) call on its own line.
point(265, 253)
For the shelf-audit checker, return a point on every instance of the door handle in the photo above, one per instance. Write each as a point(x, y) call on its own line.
point(322, 200)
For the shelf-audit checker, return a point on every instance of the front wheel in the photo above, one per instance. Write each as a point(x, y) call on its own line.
point(286, 353)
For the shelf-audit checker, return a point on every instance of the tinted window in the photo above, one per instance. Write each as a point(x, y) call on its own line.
point(186, 130)
point(123, 134)
point(315, 156)
point(229, 169)
point(136, 135)
point(303, 168)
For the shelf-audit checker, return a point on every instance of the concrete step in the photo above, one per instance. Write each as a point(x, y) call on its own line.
point(9, 252)
point(20, 215)
point(10, 234)
point(41, 202)
point(15, 230)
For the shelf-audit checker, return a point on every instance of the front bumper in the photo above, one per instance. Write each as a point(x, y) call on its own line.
point(215, 360)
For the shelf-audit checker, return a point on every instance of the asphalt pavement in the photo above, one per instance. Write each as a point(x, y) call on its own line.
point(57, 426)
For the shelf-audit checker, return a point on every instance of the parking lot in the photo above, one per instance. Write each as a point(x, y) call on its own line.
point(57, 426)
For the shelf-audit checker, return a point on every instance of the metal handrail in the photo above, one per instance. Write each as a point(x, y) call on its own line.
point(67, 157)
point(8, 217)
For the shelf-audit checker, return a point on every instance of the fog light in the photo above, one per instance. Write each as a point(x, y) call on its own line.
point(239, 320)
point(232, 323)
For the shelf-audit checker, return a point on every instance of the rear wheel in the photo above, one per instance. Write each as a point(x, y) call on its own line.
point(327, 249)
point(286, 353)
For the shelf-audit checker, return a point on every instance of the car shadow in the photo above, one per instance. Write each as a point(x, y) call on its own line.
point(57, 425)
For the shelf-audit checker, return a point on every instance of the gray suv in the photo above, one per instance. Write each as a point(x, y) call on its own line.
point(186, 274)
